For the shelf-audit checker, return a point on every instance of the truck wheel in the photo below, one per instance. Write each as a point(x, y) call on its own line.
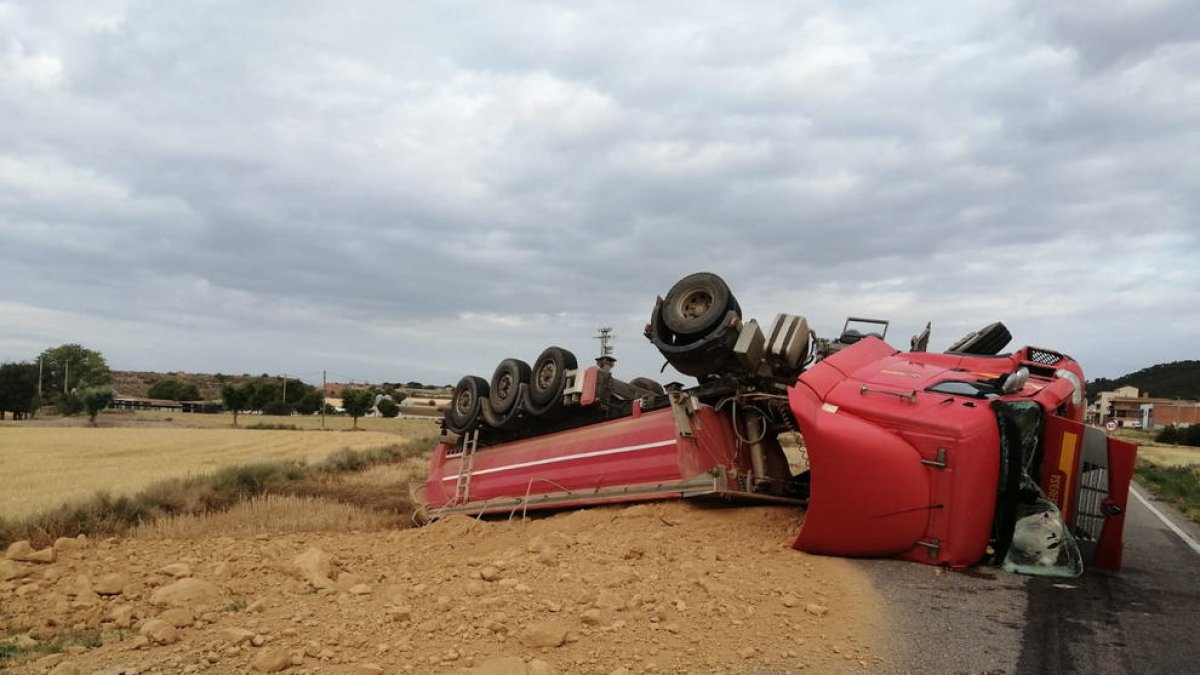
point(549, 374)
point(647, 384)
point(463, 413)
point(506, 384)
point(696, 303)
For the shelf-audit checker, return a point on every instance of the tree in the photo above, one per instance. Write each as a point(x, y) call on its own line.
point(18, 389)
point(263, 393)
point(387, 407)
point(173, 389)
point(95, 399)
point(357, 402)
point(277, 408)
point(69, 404)
point(235, 398)
point(69, 367)
point(310, 402)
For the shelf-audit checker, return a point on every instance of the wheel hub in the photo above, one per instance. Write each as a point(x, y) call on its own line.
point(695, 304)
point(463, 403)
point(545, 375)
point(505, 386)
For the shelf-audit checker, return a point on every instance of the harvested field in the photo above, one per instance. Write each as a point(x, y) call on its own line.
point(271, 514)
point(654, 588)
point(224, 420)
point(46, 466)
point(1169, 455)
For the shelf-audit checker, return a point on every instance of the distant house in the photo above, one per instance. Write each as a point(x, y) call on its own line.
point(140, 403)
point(1130, 408)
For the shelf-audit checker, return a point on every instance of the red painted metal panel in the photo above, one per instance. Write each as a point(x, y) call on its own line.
point(898, 425)
point(588, 397)
point(870, 493)
point(1062, 442)
point(1121, 459)
point(866, 351)
point(631, 451)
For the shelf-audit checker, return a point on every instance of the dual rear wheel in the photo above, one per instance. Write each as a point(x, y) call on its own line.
point(544, 381)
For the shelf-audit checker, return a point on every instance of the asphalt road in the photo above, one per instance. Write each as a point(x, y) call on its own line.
point(1145, 619)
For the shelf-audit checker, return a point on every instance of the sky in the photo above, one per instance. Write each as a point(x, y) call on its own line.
point(407, 191)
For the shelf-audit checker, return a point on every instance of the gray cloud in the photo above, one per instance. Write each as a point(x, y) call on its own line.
point(416, 191)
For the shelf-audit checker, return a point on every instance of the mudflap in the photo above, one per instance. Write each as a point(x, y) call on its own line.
point(870, 493)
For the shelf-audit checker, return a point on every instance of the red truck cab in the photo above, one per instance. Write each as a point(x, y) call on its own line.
point(920, 455)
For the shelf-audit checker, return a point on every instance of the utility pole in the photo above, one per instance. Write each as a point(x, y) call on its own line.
point(606, 338)
point(285, 388)
point(322, 399)
point(66, 376)
point(39, 380)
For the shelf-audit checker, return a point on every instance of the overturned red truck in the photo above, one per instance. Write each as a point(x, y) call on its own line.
point(954, 458)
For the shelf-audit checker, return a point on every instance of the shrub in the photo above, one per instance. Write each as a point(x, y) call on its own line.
point(174, 389)
point(1169, 434)
point(1191, 435)
point(387, 408)
point(277, 408)
point(68, 405)
point(96, 399)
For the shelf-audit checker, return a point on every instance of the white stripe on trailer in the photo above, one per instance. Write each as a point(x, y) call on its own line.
point(567, 458)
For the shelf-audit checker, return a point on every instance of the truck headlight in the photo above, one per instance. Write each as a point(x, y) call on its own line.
point(1077, 395)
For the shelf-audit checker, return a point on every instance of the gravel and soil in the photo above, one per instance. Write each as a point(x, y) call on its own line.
point(652, 588)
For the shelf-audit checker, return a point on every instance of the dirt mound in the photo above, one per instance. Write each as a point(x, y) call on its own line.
point(653, 588)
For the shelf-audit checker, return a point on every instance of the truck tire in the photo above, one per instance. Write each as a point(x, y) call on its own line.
point(987, 341)
point(647, 384)
point(549, 375)
point(463, 414)
point(506, 384)
point(696, 303)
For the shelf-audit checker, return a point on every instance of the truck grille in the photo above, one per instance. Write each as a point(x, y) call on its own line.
point(1093, 490)
point(1046, 358)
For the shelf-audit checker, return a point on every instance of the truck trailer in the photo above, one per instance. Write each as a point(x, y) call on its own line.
point(953, 458)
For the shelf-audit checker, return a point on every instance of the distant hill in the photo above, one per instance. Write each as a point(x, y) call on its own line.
point(138, 383)
point(1179, 379)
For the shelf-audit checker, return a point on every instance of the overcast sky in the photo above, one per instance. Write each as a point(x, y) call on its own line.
point(414, 191)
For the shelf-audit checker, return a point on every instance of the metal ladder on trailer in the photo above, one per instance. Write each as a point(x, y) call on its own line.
point(462, 487)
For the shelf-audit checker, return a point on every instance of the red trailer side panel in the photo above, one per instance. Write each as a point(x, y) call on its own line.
point(631, 451)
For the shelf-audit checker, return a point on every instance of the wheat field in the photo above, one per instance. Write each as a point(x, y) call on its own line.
point(270, 514)
point(224, 420)
point(1169, 455)
point(42, 467)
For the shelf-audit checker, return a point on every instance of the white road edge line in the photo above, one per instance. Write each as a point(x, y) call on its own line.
point(1187, 539)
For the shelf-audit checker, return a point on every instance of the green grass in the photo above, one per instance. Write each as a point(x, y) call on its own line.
point(105, 514)
point(10, 653)
point(1177, 485)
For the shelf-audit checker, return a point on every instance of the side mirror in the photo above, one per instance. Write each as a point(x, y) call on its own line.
point(1015, 381)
